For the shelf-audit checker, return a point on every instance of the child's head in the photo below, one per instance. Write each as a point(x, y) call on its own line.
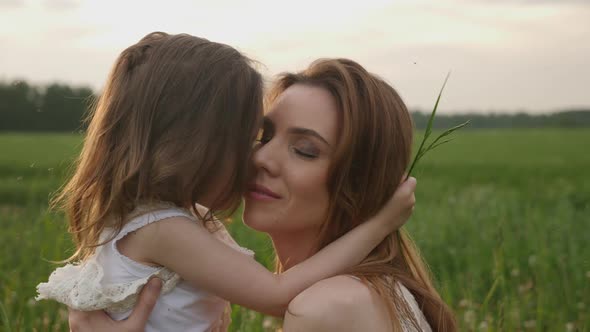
point(175, 123)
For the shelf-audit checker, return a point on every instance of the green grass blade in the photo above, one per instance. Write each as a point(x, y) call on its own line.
point(439, 144)
point(453, 129)
point(431, 120)
point(420, 153)
point(447, 133)
point(4, 318)
point(490, 293)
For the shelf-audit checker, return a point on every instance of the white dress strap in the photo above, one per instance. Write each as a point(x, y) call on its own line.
point(143, 216)
point(417, 313)
point(407, 325)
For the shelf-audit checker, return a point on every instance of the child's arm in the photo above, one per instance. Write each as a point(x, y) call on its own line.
point(190, 250)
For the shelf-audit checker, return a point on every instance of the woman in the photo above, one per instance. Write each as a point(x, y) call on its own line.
point(335, 143)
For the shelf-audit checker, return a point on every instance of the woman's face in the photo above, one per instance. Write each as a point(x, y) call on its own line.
point(288, 192)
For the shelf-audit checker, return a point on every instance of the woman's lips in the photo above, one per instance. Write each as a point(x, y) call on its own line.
point(260, 192)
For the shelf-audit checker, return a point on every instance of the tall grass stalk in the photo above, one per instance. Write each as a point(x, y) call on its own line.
point(4, 317)
point(437, 141)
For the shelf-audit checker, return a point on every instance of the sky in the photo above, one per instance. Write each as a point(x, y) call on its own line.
point(504, 56)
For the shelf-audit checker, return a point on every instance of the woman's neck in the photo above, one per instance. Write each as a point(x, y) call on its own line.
point(293, 248)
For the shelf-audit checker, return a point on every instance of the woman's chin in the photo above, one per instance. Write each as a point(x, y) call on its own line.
point(254, 220)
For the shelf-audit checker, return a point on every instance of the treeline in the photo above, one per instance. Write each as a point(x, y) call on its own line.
point(566, 118)
point(55, 107)
point(59, 107)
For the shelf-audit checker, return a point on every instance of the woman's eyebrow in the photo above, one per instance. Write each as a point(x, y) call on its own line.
point(306, 131)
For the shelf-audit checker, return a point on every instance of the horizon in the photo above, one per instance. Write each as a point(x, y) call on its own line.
point(505, 57)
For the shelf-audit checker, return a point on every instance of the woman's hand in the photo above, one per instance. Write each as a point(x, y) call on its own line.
point(400, 206)
point(81, 321)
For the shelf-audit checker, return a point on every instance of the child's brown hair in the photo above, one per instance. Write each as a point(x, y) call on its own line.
point(175, 122)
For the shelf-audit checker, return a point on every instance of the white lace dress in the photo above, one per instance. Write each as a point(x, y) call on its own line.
point(418, 315)
point(111, 281)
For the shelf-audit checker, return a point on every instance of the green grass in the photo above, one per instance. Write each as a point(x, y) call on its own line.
point(502, 217)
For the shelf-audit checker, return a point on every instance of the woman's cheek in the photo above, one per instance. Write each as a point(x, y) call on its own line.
point(309, 197)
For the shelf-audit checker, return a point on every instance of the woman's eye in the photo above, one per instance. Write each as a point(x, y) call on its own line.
point(307, 151)
point(305, 154)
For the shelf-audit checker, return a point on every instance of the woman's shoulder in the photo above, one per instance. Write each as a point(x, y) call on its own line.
point(342, 290)
point(341, 303)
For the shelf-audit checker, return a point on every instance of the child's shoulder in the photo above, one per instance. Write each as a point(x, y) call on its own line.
point(146, 213)
point(158, 210)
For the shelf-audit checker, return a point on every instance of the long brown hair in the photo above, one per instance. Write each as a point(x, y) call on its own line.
point(372, 154)
point(177, 115)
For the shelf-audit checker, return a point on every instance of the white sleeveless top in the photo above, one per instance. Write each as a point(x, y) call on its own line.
point(111, 281)
point(407, 323)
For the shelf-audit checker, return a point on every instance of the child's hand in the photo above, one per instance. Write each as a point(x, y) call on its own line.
point(400, 206)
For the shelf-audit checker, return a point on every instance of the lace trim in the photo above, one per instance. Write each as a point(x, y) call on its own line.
point(79, 287)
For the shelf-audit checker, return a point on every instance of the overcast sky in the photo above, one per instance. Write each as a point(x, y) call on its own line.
point(505, 55)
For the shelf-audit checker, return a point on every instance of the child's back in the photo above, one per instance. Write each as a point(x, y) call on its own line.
point(111, 280)
point(184, 308)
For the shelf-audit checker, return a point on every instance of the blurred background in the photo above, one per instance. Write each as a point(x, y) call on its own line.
point(502, 213)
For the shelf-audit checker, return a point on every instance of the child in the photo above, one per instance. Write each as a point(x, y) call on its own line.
point(175, 126)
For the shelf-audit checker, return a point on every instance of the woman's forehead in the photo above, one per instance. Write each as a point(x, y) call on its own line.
point(305, 106)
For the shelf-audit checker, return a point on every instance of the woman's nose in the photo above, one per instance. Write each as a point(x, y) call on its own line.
point(264, 158)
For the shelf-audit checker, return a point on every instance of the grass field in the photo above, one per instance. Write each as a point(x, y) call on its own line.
point(502, 218)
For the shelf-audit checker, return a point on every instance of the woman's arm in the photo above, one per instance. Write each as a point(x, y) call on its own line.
point(189, 249)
